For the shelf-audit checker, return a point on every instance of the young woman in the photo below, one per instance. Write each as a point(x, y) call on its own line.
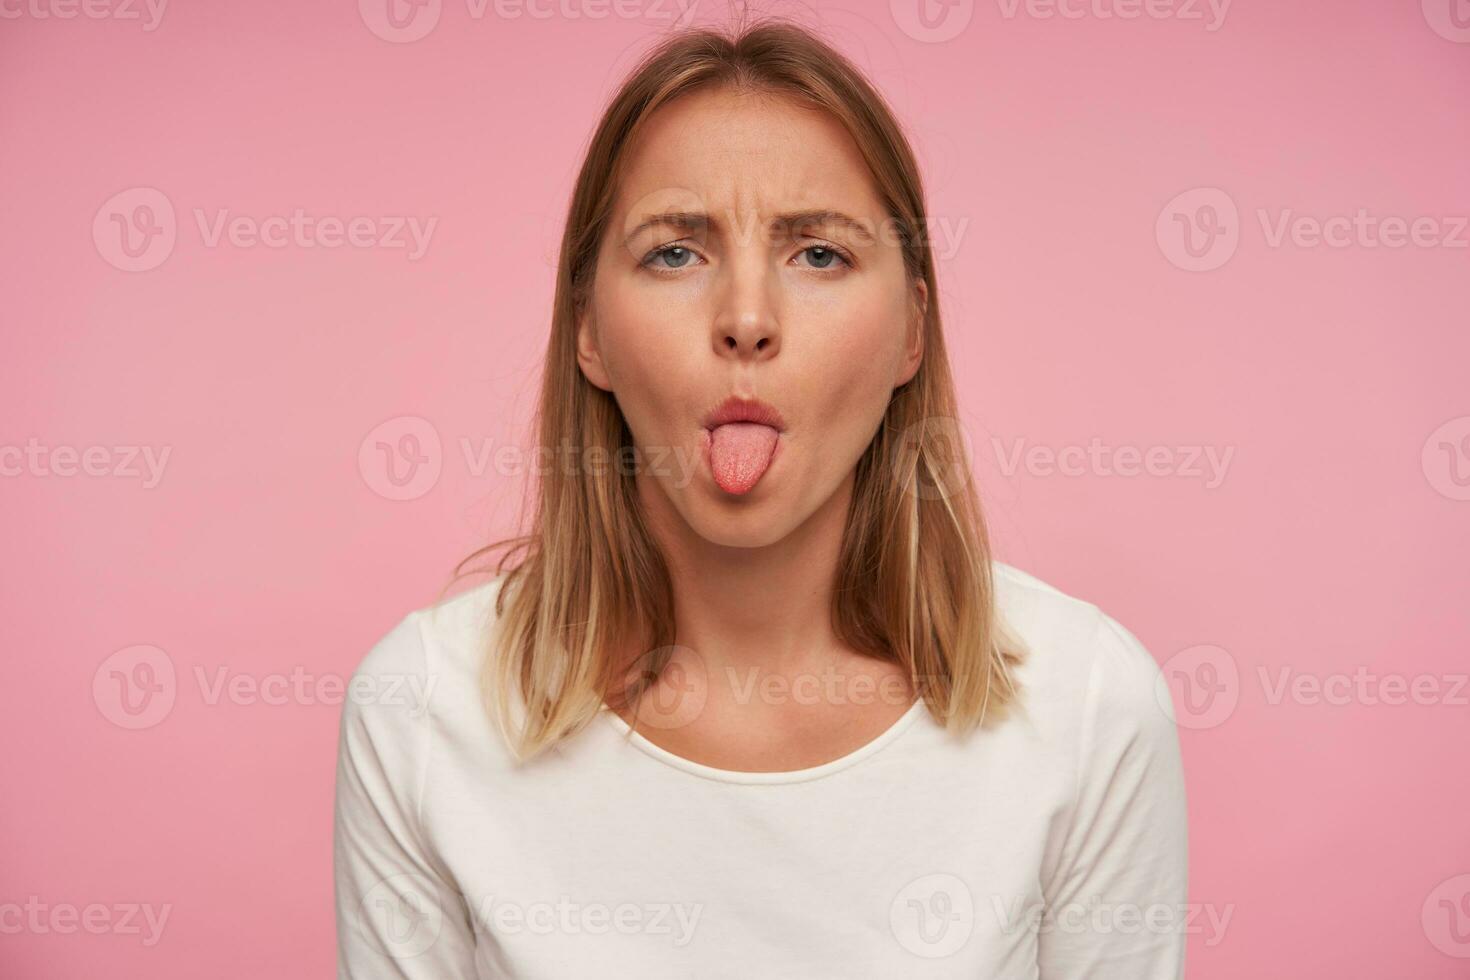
point(755, 701)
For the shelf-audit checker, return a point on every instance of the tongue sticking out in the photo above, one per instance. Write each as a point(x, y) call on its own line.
point(739, 454)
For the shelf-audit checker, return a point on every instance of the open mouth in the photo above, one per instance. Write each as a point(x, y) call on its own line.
point(743, 436)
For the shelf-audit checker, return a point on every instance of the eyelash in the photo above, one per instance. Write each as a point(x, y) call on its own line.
point(842, 255)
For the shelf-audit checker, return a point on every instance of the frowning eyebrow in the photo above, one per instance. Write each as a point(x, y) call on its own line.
point(788, 221)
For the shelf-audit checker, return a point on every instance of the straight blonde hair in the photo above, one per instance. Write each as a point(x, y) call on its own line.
point(586, 581)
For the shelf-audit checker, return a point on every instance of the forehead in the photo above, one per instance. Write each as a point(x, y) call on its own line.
point(748, 152)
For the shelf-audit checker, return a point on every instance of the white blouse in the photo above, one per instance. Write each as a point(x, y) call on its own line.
point(1052, 846)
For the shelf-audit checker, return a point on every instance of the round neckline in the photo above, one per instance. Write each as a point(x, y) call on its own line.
point(749, 777)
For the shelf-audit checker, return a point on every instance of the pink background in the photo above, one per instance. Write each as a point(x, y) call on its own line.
point(1334, 376)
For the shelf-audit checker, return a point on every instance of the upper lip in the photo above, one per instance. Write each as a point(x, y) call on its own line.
point(737, 409)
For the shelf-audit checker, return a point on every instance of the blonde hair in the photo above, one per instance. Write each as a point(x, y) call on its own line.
point(913, 581)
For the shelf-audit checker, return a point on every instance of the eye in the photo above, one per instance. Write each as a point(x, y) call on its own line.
point(667, 258)
point(826, 257)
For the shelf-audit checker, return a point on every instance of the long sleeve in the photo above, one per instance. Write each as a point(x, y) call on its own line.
point(398, 914)
point(1116, 902)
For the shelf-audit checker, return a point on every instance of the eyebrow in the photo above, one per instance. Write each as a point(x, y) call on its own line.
point(695, 220)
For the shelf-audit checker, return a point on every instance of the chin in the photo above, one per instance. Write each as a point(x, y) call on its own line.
point(764, 516)
point(748, 527)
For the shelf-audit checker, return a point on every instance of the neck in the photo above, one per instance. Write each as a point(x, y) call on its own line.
point(766, 608)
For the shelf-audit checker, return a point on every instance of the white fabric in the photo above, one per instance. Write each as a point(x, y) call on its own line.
point(920, 855)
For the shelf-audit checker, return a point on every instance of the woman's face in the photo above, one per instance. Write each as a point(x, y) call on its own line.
point(749, 255)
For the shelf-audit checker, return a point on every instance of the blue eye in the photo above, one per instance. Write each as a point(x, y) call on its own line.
point(678, 256)
point(822, 258)
point(671, 257)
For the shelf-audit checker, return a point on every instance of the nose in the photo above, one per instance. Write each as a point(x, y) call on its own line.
point(746, 325)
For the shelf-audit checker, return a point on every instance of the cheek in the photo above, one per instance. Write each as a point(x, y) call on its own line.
point(847, 383)
point(647, 350)
point(858, 386)
point(862, 352)
point(641, 326)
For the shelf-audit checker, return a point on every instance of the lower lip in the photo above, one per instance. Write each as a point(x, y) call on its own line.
point(705, 442)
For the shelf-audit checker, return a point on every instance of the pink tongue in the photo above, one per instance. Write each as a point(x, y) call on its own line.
point(739, 454)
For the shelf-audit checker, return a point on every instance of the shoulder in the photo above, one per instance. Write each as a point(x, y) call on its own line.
point(1081, 664)
point(446, 636)
point(426, 666)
